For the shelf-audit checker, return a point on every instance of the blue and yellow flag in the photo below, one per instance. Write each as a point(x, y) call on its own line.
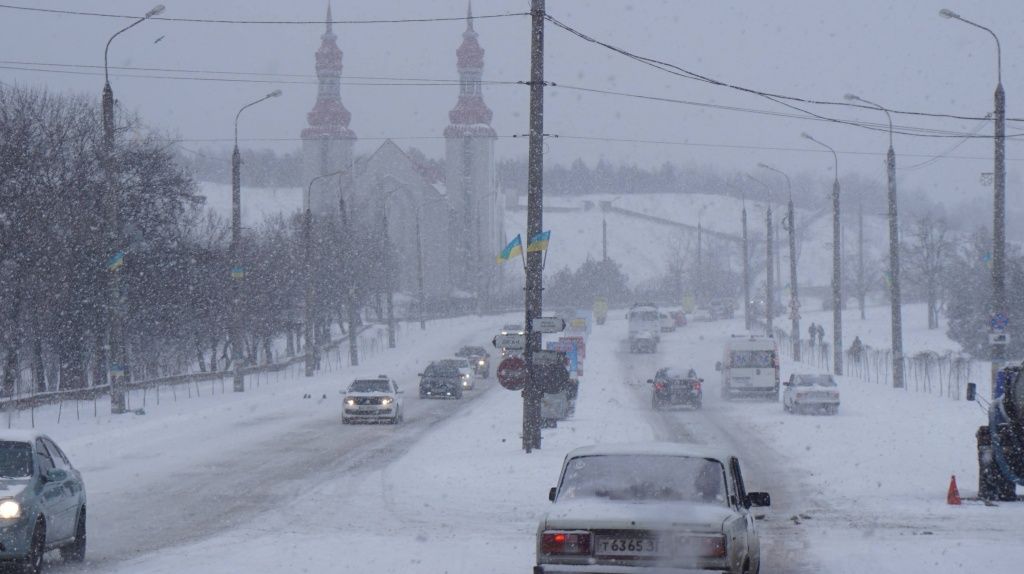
point(538, 242)
point(514, 248)
point(116, 261)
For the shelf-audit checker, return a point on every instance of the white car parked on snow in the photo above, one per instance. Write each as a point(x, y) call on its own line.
point(802, 393)
point(656, 507)
point(372, 400)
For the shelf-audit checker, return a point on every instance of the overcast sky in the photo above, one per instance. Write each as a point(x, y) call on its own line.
point(898, 53)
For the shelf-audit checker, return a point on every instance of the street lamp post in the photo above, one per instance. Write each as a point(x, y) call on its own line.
point(999, 308)
point(794, 298)
point(895, 302)
point(345, 249)
point(307, 249)
point(237, 272)
point(115, 344)
point(769, 288)
point(746, 269)
point(837, 311)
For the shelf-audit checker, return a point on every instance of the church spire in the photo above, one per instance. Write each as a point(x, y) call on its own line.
point(470, 110)
point(328, 118)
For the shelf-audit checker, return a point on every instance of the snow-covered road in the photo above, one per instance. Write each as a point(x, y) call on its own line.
point(230, 483)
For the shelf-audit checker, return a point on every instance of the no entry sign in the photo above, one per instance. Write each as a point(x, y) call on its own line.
point(512, 373)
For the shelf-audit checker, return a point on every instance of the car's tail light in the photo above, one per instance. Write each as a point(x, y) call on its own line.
point(565, 542)
point(706, 546)
point(659, 386)
point(696, 385)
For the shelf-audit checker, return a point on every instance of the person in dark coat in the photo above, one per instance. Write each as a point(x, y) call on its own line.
point(812, 332)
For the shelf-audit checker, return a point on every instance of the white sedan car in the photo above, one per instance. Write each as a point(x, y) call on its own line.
point(372, 400)
point(655, 507)
point(802, 393)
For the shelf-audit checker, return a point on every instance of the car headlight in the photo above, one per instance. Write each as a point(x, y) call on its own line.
point(481, 362)
point(385, 401)
point(10, 509)
point(350, 402)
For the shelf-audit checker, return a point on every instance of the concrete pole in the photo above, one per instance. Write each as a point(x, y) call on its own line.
point(532, 394)
point(746, 272)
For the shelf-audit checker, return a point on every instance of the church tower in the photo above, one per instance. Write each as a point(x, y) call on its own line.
point(476, 210)
point(327, 142)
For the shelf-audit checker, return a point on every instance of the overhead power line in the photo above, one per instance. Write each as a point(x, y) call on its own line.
point(272, 22)
point(687, 74)
point(900, 129)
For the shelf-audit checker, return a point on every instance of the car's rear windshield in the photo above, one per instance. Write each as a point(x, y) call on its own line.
point(457, 363)
point(470, 352)
point(15, 459)
point(370, 386)
point(751, 359)
point(638, 478)
point(815, 380)
point(644, 315)
point(441, 371)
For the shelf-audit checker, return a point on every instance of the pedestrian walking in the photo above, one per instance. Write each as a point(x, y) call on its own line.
point(812, 332)
point(821, 335)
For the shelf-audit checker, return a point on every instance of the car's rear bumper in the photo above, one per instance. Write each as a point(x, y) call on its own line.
point(600, 569)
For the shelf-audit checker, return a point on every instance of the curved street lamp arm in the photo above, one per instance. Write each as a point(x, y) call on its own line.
point(158, 9)
point(789, 184)
point(273, 94)
point(828, 147)
point(999, 48)
point(873, 104)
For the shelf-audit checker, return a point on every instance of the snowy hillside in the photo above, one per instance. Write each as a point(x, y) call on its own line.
point(641, 245)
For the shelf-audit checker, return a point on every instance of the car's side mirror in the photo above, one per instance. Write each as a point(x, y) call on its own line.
point(56, 475)
point(551, 493)
point(718, 366)
point(419, 374)
point(759, 499)
point(650, 381)
point(787, 383)
point(972, 391)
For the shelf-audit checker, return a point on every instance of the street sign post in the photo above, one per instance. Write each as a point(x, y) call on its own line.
point(549, 324)
point(548, 358)
point(510, 341)
point(999, 338)
point(512, 373)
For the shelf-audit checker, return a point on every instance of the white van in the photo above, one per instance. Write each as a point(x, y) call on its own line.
point(750, 366)
point(644, 328)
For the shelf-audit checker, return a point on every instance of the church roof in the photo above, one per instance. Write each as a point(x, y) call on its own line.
point(328, 119)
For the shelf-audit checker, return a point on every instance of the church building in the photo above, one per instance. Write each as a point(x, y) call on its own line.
point(454, 220)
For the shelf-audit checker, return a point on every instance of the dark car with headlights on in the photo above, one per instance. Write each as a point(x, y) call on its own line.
point(650, 508)
point(671, 387)
point(441, 380)
point(42, 502)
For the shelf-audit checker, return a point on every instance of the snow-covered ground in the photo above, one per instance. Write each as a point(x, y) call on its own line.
point(269, 481)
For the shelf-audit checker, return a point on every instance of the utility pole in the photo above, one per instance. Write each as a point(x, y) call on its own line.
point(999, 308)
point(388, 287)
point(350, 302)
point(778, 262)
point(307, 255)
point(115, 350)
point(419, 271)
point(533, 394)
point(769, 306)
point(794, 298)
point(837, 295)
point(604, 238)
point(861, 284)
point(746, 270)
point(789, 222)
point(700, 264)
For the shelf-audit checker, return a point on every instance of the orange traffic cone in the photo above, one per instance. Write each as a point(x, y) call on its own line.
point(953, 497)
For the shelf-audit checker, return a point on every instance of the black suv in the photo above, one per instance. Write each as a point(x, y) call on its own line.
point(441, 380)
point(673, 387)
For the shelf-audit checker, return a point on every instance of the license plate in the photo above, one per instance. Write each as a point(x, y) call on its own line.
point(741, 381)
point(624, 546)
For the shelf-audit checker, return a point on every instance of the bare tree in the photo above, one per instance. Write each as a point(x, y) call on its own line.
point(927, 258)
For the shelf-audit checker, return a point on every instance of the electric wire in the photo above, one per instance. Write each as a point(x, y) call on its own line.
point(687, 74)
point(270, 22)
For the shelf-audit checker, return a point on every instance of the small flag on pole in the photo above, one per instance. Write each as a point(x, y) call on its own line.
point(539, 242)
point(116, 261)
point(514, 248)
point(237, 273)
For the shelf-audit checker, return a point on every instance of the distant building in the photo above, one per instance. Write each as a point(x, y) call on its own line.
point(460, 211)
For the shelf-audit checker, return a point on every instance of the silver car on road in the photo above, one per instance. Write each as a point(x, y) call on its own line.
point(655, 507)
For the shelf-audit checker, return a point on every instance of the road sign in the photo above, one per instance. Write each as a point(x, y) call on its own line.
point(548, 358)
point(549, 324)
point(998, 338)
point(510, 341)
point(1000, 321)
point(512, 373)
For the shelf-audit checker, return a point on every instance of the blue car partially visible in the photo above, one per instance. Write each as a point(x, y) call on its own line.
point(42, 502)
